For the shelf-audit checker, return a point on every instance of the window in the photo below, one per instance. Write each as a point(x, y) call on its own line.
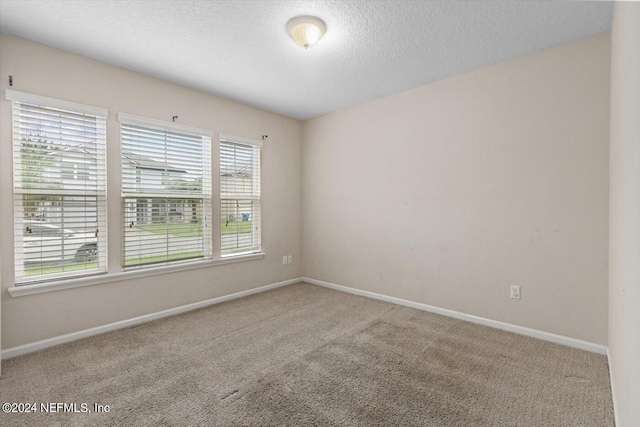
point(166, 192)
point(74, 171)
point(239, 195)
point(59, 167)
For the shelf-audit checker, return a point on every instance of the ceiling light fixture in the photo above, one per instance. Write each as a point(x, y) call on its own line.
point(306, 30)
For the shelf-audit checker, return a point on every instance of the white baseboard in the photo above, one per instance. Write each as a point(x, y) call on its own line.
point(613, 389)
point(547, 336)
point(559, 339)
point(50, 342)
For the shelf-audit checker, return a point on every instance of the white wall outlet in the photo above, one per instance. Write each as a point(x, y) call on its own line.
point(284, 259)
point(289, 259)
point(515, 291)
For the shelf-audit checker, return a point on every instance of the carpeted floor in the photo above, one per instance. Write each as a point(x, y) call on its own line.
point(304, 356)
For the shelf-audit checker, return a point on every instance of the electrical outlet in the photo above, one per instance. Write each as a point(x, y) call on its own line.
point(289, 259)
point(284, 259)
point(515, 291)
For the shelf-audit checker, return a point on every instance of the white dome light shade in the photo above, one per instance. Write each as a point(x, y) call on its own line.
point(306, 30)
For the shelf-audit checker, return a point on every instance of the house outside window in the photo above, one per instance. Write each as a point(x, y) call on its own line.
point(74, 171)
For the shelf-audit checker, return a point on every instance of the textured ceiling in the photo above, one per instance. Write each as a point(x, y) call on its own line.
point(240, 49)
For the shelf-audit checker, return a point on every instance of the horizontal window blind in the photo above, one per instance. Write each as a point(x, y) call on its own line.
point(59, 181)
point(240, 213)
point(166, 194)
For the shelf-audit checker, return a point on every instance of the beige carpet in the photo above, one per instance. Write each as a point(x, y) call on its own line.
point(305, 356)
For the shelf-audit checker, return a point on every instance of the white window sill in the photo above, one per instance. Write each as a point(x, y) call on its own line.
point(23, 290)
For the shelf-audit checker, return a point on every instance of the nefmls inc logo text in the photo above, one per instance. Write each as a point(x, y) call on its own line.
point(64, 407)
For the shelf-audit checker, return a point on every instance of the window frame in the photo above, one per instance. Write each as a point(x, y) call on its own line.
point(254, 144)
point(206, 197)
point(19, 190)
point(107, 274)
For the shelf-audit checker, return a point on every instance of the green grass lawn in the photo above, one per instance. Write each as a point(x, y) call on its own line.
point(161, 258)
point(233, 227)
point(33, 270)
point(195, 230)
point(180, 230)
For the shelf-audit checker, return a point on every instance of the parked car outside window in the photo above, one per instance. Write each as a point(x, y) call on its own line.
point(50, 243)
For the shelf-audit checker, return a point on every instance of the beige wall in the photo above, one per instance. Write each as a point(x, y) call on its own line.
point(445, 194)
point(50, 72)
point(624, 221)
point(448, 193)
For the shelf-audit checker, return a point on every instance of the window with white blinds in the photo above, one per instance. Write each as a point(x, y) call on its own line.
point(166, 192)
point(240, 228)
point(59, 183)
